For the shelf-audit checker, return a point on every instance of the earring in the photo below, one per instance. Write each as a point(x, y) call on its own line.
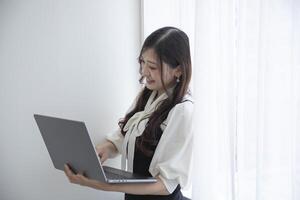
point(177, 80)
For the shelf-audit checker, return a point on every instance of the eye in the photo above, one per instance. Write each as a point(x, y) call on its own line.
point(152, 67)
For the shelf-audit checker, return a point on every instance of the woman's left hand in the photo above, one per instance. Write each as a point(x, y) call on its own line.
point(80, 179)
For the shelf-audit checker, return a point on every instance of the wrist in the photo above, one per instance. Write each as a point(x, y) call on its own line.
point(107, 187)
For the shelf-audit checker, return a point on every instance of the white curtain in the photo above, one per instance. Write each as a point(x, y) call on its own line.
point(215, 94)
point(246, 83)
point(268, 75)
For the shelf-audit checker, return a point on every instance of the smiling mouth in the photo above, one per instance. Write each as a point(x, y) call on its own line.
point(149, 81)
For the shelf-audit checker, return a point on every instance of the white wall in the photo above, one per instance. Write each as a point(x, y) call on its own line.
point(68, 58)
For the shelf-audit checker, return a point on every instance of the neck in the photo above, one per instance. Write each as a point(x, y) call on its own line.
point(160, 92)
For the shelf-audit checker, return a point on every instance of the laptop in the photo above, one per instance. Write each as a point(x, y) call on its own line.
point(68, 142)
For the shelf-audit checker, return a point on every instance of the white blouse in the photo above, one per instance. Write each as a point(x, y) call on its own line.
point(173, 155)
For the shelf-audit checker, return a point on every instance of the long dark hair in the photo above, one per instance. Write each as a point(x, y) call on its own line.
point(171, 46)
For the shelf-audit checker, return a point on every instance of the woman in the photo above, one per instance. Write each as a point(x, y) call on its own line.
point(155, 136)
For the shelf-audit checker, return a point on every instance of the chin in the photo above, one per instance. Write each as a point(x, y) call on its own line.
point(150, 87)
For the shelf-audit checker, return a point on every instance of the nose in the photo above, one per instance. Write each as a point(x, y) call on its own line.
point(145, 70)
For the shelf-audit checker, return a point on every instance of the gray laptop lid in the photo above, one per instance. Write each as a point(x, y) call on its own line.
point(67, 141)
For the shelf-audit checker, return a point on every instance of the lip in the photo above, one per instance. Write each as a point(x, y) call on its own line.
point(150, 81)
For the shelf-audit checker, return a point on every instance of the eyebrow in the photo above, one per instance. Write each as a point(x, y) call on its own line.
point(152, 62)
point(149, 61)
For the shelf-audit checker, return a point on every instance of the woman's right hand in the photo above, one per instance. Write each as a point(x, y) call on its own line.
point(106, 150)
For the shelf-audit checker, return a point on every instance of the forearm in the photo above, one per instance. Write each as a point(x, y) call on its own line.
point(157, 188)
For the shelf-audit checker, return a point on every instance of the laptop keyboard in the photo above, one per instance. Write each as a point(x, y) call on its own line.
point(117, 174)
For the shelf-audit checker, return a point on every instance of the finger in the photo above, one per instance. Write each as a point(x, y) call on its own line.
point(68, 174)
point(103, 158)
point(82, 173)
point(81, 177)
point(100, 154)
point(99, 150)
point(68, 171)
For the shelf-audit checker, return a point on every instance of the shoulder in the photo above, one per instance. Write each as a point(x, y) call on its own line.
point(181, 115)
point(187, 99)
point(186, 105)
point(183, 109)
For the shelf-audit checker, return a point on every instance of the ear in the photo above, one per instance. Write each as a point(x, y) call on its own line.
point(178, 71)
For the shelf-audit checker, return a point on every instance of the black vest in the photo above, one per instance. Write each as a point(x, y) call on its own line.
point(141, 165)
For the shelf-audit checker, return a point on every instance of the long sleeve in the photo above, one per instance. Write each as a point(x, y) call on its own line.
point(172, 160)
point(117, 139)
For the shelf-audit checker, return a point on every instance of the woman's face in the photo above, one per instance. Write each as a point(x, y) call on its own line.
point(151, 72)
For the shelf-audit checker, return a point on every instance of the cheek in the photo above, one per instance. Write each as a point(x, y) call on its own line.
point(168, 77)
point(156, 75)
